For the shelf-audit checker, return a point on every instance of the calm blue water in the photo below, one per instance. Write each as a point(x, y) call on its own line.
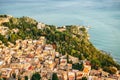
point(102, 15)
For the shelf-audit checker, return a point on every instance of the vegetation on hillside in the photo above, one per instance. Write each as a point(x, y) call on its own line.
point(36, 76)
point(73, 41)
point(54, 76)
point(3, 16)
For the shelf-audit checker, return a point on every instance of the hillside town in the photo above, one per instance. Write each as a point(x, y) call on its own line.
point(26, 57)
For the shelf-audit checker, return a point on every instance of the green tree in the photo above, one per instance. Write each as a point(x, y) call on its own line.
point(95, 64)
point(19, 78)
point(54, 76)
point(3, 39)
point(111, 70)
point(36, 76)
point(26, 77)
point(78, 66)
point(84, 78)
point(14, 75)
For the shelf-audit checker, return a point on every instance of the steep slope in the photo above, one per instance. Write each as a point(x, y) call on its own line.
point(73, 40)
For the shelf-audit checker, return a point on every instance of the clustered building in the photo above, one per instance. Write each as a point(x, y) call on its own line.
point(3, 29)
point(26, 57)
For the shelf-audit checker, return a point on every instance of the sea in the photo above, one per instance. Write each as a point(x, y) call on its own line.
point(103, 17)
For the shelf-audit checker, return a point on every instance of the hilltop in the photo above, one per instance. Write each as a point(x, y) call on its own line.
point(69, 39)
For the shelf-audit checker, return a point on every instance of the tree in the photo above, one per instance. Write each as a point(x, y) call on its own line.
point(84, 78)
point(19, 78)
point(3, 39)
point(36, 76)
point(95, 64)
point(2, 16)
point(14, 75)
point(111, 70)
point(81, 57)
point(78, 66)
point(54, 76)
point(1, 79)
point(26, 77)
point(67, 58)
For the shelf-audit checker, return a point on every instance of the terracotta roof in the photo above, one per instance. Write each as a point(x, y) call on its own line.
point(86, 70)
